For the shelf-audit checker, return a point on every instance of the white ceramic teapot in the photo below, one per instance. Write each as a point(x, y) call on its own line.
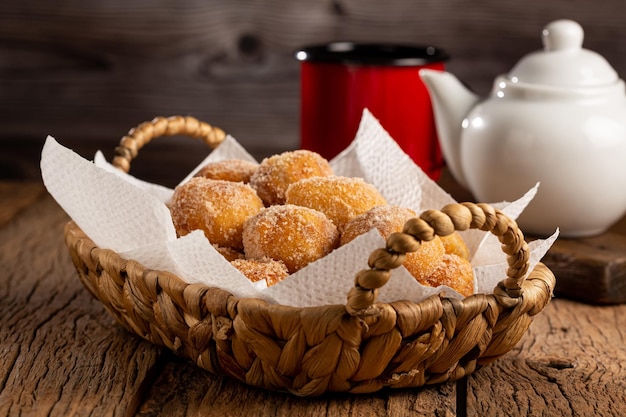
point(558, 118)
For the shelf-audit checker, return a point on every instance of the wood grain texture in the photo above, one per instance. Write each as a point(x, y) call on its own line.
point(86, 72)
point(571, 362)
point(16, 198)
point(61, 354)
point(602, 257)
point(184, 390)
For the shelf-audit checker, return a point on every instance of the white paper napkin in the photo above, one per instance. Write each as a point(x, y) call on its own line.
point(129, 216)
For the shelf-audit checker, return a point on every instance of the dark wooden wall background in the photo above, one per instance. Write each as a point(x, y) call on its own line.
point(87, 71)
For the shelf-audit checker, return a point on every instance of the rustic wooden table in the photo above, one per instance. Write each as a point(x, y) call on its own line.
point(62, 355)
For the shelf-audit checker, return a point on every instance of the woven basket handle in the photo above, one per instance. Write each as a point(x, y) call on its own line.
point(139, 136)
point(442, 222)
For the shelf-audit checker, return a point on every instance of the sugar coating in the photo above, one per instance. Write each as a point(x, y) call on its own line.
point(390, 219)
point(387, 219)
point(229, 253)
point(217, 207)
point(425, 261)
point(455, 272)
point(455, 244)
point(270, 270)
point(341, 199)
point(294, 235)
point(236, 170)
point(277, 172)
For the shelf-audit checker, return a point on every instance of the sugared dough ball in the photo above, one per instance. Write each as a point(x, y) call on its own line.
point(294, 235)
point(268, 269)
point(387, 219)
point(235, 170)
point(423, 262)
point(390, 219)
point(455, 244)
point(341, 199)
point(455, 272)
point(219, 208)
point(229, 254)
point(276, 173)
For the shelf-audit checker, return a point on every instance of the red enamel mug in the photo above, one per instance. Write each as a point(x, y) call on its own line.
point(339, 80)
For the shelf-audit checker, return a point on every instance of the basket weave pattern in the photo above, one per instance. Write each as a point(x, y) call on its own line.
point(362, 346)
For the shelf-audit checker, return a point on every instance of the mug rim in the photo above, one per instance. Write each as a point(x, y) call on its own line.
point(371, 54)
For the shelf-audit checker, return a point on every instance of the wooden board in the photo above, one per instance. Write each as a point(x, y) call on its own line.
point(591, 269)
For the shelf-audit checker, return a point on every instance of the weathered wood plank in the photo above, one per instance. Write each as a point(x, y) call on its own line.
point(184, 390)
point(592, 269)
point(60, 353)
point(571, 362)
point(88, 71)
point(17, 196)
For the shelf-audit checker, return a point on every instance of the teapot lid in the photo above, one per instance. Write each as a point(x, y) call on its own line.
point(563, 62)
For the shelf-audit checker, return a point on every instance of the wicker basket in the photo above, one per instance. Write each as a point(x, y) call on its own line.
point(358, 347)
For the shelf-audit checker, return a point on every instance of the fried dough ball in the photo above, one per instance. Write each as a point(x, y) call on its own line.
point(425, 261)
point(294, 235)
point(455, 272)
point(277, 172)
point(455, 244)
point(387, 219)
point(390, 219)
point(217, 207)
point(229, 253)
point(341, 199)
point(235, 170)
point(270, 270)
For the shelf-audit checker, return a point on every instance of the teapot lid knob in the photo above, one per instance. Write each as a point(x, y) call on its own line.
point(563, 62)
point(562, 35)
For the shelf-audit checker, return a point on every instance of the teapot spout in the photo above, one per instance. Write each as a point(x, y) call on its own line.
point(451, 102)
